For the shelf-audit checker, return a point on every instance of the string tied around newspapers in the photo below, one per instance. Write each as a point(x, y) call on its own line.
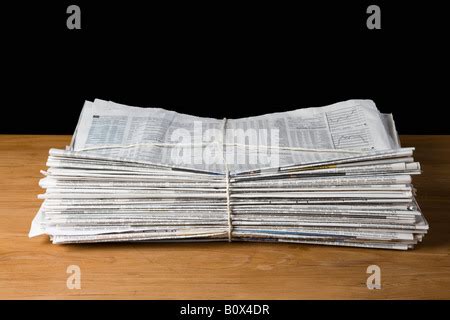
point(227, 171)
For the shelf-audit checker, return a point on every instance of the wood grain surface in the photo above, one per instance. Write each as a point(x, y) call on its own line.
point(36, 269)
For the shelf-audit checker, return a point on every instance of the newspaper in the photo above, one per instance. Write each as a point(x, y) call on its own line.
point(334, 175)
point(153, 136)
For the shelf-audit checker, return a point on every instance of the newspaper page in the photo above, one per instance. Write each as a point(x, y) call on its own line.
point(167, 138)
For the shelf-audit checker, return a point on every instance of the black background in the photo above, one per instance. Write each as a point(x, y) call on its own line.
point(223, 59)
point(278, 309)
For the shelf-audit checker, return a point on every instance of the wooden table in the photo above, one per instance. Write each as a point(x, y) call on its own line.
point(35, 268)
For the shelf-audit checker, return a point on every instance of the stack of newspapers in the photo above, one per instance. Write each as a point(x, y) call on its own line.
point(334, 175)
